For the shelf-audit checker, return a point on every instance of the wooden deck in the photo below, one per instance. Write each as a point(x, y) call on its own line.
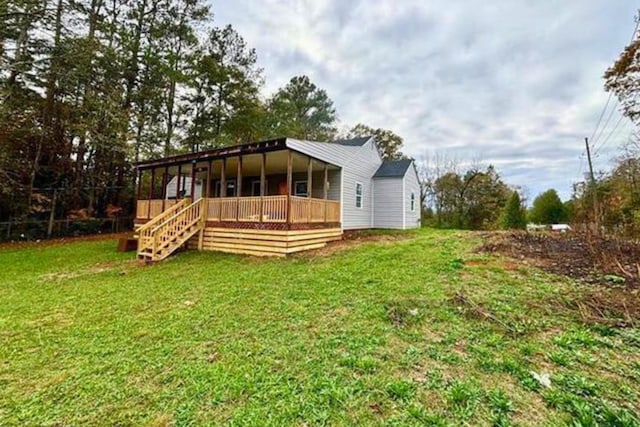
point(262, 226)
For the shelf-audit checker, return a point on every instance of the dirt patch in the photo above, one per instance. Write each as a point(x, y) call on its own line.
point(609, 262)
point(610, 266)
point(88, 271)
point(352, 239)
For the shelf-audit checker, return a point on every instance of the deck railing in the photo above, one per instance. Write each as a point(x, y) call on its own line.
point(278, 209)
point(147, 209)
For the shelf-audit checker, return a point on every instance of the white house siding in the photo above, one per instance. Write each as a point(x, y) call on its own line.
point(358, 165)
point(412, 218)
point(387, 193)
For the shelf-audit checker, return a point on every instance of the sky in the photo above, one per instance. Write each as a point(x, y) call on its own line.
point(513, 83)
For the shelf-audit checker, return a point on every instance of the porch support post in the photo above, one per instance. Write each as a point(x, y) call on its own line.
point(151, 184)
point(309, 188)
point(193, 181)
point(138, 193)
point(325, 189)
point(223, 186)
point(263, 161)
point(178, 184)
point(165, 177)
point(289, 182)
point(238, 187)
point(139, 185)
point(223, 178)
point(209, 172)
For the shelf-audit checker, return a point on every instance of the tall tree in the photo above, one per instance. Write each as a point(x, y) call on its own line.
point(224, 82)
point(389, 142)
point(180, 41)
point(623, 78)
point(302, 110)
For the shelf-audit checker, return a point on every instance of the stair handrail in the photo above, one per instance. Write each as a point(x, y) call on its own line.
point(162, 215)
point(177, 214)
point(154, 232)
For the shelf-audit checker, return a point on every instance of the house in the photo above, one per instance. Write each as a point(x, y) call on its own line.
point(271, 197)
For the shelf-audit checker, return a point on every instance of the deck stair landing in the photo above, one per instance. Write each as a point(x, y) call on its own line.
point(170, 230)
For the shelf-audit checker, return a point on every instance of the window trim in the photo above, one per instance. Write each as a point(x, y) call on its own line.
point(361, 195)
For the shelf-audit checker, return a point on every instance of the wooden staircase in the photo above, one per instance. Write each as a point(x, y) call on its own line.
point(167, 232)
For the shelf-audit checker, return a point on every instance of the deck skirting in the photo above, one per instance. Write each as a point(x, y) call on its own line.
point(264, 242)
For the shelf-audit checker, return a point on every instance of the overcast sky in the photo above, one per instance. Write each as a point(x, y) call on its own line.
point(514, 83)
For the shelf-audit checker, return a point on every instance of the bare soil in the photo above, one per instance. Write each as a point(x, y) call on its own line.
point(610, 268)
point(594, 260)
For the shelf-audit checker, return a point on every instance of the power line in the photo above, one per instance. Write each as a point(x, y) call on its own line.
point(593, 134)
point(608, 138)
point(593, 138)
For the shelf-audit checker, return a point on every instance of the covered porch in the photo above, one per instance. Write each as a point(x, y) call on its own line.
point(255, 186)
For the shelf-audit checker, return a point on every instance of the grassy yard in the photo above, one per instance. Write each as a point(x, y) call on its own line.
point(369, 335)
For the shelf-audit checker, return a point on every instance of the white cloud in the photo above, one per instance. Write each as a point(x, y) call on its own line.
point(517, 83)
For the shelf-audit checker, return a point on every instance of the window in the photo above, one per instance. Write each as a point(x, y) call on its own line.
point(231, 188)
point(300, 189)
point(358, 195)
point(413, 202)
point(255, 188)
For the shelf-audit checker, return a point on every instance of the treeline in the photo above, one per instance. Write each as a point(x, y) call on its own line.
point(610, 204)
point(87, 87)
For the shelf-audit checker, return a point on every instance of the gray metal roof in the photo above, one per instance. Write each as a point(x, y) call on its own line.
point(353, 142)
point(393, 168)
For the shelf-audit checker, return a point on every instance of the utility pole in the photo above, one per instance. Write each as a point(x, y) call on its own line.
point(592, 177)
point(592, 184)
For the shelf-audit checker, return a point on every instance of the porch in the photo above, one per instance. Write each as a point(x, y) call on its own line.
point(274, 201)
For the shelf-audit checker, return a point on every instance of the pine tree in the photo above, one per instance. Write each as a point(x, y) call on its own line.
point(302, 110)
point(514, 214)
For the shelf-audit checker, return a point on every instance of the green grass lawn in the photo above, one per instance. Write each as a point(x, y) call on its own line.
point(369, 335)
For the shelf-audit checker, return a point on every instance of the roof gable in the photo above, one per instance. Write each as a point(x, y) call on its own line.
point(353, 142)
point(393, 168)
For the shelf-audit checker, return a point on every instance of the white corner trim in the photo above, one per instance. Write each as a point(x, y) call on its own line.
point(342, 199)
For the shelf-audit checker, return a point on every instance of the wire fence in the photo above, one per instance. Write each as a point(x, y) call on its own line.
point(40, 230)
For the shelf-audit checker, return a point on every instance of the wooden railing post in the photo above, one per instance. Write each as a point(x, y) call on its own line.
point(203, 222)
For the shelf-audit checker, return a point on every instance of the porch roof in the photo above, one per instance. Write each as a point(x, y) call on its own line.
point(217, 153)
